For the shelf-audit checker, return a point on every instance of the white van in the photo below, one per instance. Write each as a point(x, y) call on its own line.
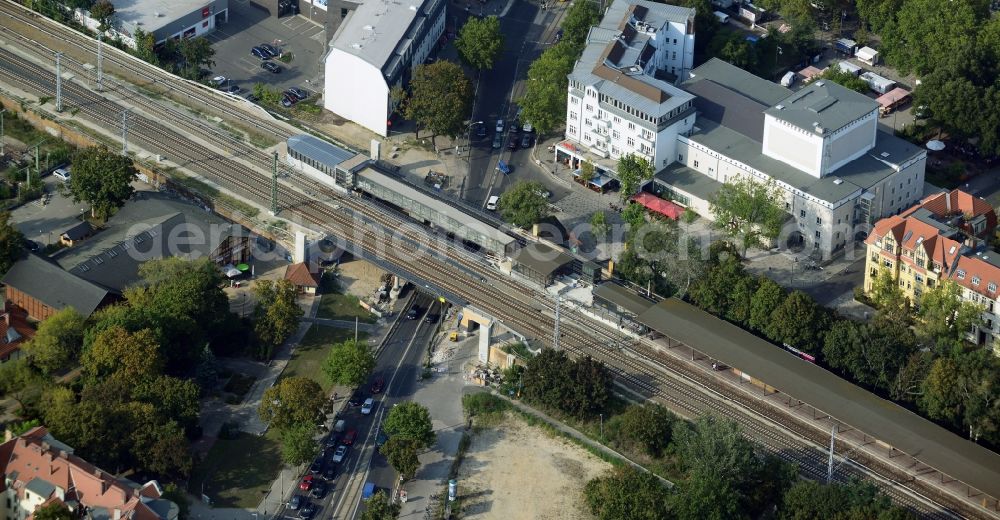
point(61, 174)
point(491, 204)
point(723, 17)
point(788, 79)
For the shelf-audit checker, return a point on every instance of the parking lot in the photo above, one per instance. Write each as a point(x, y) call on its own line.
point(43, 223)
point(249, 26)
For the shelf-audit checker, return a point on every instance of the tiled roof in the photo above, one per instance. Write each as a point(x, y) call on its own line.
point(300, 275)
point(957, 201)
point(979, 268)
point(14, 330)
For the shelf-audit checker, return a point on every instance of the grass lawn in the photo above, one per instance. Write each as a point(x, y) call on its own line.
point(307, 359)
point(238, 472)
point(336, 305)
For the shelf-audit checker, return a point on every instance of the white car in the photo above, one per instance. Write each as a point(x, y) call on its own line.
point(338, 456)
point(366, 408)
point(500, 126)
point(528, 128)
point(62, 174)
point(218, 81)
point(491, 204)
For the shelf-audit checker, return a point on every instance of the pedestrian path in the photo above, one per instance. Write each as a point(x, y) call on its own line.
point(341, 324)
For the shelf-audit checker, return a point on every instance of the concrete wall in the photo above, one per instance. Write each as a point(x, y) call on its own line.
point(356, 90)
point(793, 146)
point(851, 142)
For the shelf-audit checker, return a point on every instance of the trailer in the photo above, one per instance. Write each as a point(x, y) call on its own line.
point(850, 68)
point(845, 46)
point(892, 100)
point(788, 79)
point(867, 55)
point(878, 83)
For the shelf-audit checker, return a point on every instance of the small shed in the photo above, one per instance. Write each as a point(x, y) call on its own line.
point(845, 46)
point(867, 55)
point(76, 233)
point(849, 67)
point(304, 280)
point(540, 262)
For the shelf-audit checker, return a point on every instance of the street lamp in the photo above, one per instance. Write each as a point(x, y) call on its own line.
point(3, 149)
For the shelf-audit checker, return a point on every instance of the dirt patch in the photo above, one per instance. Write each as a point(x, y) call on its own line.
point(516, 471)
point(360, 278)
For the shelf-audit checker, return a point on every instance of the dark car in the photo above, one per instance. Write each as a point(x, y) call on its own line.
point(431, 318)
point(413, 313)
point(270, 49)
point(318, 490)
point(257, 52)
point(297, 93)
point(288, 101)
point(350, 437)
point(559, 34)
point(330, 473)
point(271, 67)
point(481, 130)
point(381, 438)
point(295, 502)
point(497, 141)
point(250, 97)
point(378, 385)
point(317, 466)
point(332, 440)
point(31, 245)
point(512, 143)
point(307, 511)
point(233, 89)
point(356, 399)
point(526, 140)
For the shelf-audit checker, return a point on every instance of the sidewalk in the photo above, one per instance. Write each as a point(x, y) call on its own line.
point(341, 324)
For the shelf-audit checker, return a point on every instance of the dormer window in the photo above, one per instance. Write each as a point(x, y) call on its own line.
point(960, 274)
point(975, 280)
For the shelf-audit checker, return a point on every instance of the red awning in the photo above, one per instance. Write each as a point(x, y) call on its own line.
point(661, 206)
point(567, 146)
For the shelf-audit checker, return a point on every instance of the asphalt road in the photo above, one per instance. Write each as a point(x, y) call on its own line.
point(526, 34)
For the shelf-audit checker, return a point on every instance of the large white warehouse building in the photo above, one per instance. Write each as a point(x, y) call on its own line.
point(375, 49)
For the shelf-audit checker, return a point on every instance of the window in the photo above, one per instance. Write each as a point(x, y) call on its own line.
point(630, 141)
point(674, 56)
point(631, 126)
point(680, 158)
point(675, 41)
point(886, 263)
point(615, 134)
point(992, 287)
point(574, 100)
point(590, 108)
point(788, 206)
point(696, 164)
point(588, 122)
point(960, 274)
point(817, 235)
point(802, 213)
point(572, 115)
point(819, 221)
point(617, 119)
point(975, 280)
point(572, 129)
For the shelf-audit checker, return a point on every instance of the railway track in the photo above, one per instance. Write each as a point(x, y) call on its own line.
point(639, 366)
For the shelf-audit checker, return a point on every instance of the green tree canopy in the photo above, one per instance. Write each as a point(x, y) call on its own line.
point(845, 79)
point(748, 211)
point(294, 400)
point(22, 382)
point(524, 204)
point(11, 243)
point(811, 500)
point(349, 363)
point(480, 42)
point(379, 507)
point(633, 170)
point(626, 493)
point(103, 11)
point(297, 444)
point(412, 421)
point(57, 343)
point(797, 321)
point(116, 352)
point(102, 178)
point(599, 225)
point(441, 98)
point(872, 354)
point(145, 47)
point(649, 426)
point(277, 314)
point(580, 388)
point(887, 296)
point(765, 301)
point(944, 317)
point(401, 454)
point(53, 511)
point(196, 53)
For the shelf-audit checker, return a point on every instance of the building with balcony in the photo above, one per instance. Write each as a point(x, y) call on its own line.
point(942, 238)
point(377, 47)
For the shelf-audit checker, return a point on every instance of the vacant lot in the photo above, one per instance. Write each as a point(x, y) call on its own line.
point(336, 305)
point(307, 358)
point(515, 471)
point(237, 472)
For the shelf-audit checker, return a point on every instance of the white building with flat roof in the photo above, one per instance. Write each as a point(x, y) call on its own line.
point(376, 48)
point(164, 19)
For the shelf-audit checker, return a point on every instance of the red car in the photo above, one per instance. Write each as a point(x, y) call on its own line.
point(307, 483)
point(349, 437)
point(378, 385)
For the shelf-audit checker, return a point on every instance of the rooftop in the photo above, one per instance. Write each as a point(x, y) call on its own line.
point(622, 297)
point(318, 149)
point(152, 15)
point(823, 105)
point(51, 285)
point(728, 107)
point(738, 80)
point(855, 407)
point(377, 30)
point(541, 258)
point(300, 275)
point(689, 181)
point(861, 173)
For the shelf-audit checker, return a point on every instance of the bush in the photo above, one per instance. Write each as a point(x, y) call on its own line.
point(482, 403)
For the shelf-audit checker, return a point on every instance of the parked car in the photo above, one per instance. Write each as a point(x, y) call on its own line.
point(307, 482)
point(295, 502)
point(366, 409)
point(297, 93)
point(287, 101)
point(318, 490)
point(500, 126)
point(338, 456)
point(307, 511)
point(271, 67)
point(62, 173)
point(356, 399)
point(381, 438)
point(378, 385)
point(526, 140)
point(497, 140)
point(528, 128)
point(330, 473)
point(481, 130)
point(31, 245)
point(316, 466)
point(218, 81)
point(250, 97)
point(257, 52)
point(512, 142)
point(232, 89)
point(270, 49)
point(491, 204)
point(350, 436)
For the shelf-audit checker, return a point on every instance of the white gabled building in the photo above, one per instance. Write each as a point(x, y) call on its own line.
point(376, 48)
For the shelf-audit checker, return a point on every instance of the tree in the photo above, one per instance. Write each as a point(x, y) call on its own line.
point(175, 399)
point(586, 172)
point(844, 78)
point(925, 33)
point(196, 53)
point(57, 343)
point(102, 178)
point(266, 95)
point(349, 363)
point(649, 426)
point(297, 444)
point(116, 352)
point(524, 204)
point(440, 99)
point(22, 382)
point(808, 499)
point(739, 52)
point(944, 318)
point(161, 447)
point(411, 421)
point(580, 17)
point(401, 453)
point(145, 46)
point(277, 314)
point(626, 493)
point(766, 299)
point(748, 211)
point(53, 511)
point(294, 400)
point(480, 42)
point(907, 384)
point(871, 354)
point(103, 11)
point(797, 322)
point(580, 388)
point(11, 243)
point(633, 170)
point(599, 225)
point(544, 101)
point(379, 507)
point(887, 296)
